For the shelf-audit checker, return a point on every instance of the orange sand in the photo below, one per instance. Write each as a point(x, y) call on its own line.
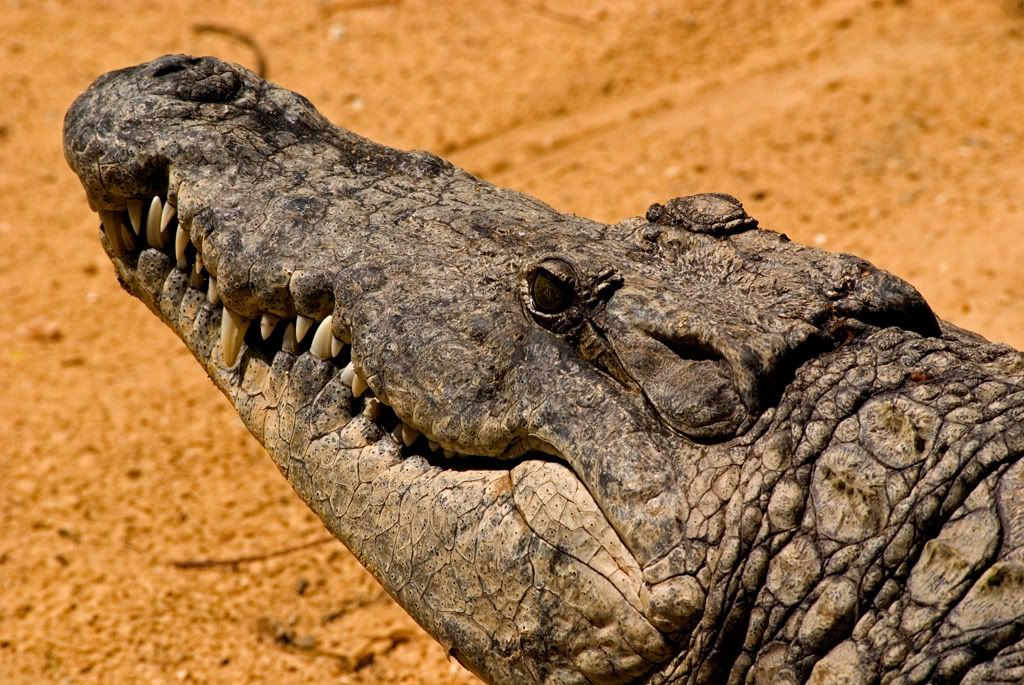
point(891, 128)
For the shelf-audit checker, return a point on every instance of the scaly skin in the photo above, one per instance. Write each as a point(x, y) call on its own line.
point(679, 449)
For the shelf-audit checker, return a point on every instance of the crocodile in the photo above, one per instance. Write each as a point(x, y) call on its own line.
point(679, 448)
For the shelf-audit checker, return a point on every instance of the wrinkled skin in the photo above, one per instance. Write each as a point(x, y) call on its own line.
point(683, 449)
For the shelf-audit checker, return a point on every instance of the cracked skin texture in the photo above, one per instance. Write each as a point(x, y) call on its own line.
point(714, 456)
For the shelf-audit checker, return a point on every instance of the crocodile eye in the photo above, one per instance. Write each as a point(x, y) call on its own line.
point(552, 286)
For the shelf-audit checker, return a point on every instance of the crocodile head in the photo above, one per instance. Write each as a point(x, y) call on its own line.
point(548, 437)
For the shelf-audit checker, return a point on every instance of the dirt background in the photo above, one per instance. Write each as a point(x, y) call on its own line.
point(892, 129)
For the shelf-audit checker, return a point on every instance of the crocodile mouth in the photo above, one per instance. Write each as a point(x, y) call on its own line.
point(157, 262)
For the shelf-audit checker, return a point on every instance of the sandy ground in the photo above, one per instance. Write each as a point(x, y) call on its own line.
point(893, 129)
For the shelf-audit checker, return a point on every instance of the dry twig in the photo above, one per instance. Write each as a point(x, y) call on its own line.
point(244, 38)
point(236, 561)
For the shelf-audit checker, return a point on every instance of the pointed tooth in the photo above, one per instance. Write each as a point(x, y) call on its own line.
point(268, 322)
point(336, 346)
point(433, 445)
point(290, 344)
point(409, 435)
point(212, 294)
point(448, 453)
point(371, 408)
point(166, 215)
point(243, 328)
point(232, 333)
point(153, 235)
point(197, 274)
point(359, 385)
point(347, 374)
point(135, 214)
point(112, 229)
point(180, 243)
point(321, 345)
point(302, 325)
point(396, 433)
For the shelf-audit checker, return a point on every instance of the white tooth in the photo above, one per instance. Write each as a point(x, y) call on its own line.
point(166, 215)
point(336, 346)
point(371, 408)
point(268, 322)
point(448, 453)
point(302, 324)
point(135, 214)
point(321, 345)
point(197, 273)
point(347, 374)
point(359, 385)
point(112, 229)
point(243, 328)
point(180, 243)
point(409, 435)
point(433, 445)
point(232, 333)
point(165, 219)
point(212, 294)
point(153, 236)
point(290, 344)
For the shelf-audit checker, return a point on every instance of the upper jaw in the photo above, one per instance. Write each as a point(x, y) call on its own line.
point(150, 246)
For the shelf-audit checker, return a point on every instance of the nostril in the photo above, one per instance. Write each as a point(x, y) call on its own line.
point(174, 67)
point(168, 69)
